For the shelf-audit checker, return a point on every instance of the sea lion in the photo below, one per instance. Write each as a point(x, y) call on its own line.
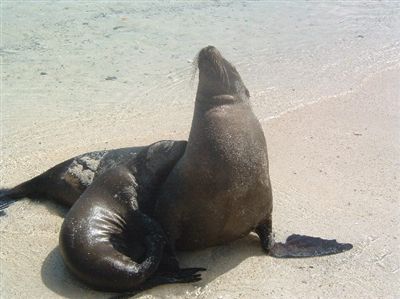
point(217, 191)
point(66, 181)
point(108, 238)
point(220, 189)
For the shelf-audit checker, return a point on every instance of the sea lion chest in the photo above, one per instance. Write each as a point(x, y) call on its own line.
point(224, 175)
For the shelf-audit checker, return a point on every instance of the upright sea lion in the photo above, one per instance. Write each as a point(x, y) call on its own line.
point(220, 189)
point(108, 238)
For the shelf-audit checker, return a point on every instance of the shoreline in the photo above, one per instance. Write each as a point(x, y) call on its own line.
point(343, 93)
point(117, 63)
point(341, 157)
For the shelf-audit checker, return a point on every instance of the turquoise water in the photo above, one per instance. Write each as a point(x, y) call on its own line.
point(58, 55)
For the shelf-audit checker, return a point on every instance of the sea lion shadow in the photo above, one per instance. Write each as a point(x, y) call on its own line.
point(221, 259)
point(217, 260)
point(58, 279)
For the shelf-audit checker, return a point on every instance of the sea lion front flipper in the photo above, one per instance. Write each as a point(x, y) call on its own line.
point(184, 275)
point(300, 246)
point(264, 232)
point(169, 265)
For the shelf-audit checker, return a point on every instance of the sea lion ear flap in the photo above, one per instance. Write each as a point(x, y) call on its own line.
point(247, 92)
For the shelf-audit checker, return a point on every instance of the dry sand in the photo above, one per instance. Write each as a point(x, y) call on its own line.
point(331, 120)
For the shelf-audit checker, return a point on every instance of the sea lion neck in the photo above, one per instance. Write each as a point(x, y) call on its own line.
point(210, 101)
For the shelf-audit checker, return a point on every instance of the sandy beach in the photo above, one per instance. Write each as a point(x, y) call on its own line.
point(324, 80)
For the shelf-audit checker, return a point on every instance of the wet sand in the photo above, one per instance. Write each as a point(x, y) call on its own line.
point(333, 140)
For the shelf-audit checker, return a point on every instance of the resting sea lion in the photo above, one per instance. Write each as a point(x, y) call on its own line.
point(108, 238)
point(66, 181)
point(220, 189)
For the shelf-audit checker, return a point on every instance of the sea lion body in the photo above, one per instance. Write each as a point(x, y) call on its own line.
point(220, 189)
point(108, 238)
point(66, 181)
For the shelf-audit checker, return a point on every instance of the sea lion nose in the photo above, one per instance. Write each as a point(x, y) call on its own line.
point(209, 49)
point(209, 54)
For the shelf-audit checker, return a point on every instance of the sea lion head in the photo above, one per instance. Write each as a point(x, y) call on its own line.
point(218, 78)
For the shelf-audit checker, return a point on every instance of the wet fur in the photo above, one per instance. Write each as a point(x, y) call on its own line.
point(109, 239)
point(66, 181)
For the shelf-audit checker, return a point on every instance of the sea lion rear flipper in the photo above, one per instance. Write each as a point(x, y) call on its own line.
point(53, 184)
point(9, 196)
point(30, 188)
point(4, 204)
point(14, 193)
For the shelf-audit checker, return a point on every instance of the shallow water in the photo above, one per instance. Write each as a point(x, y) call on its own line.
point(68, 67)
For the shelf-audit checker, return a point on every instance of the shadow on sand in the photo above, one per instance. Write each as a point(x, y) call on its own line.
point(217, 260)
point(58, 279)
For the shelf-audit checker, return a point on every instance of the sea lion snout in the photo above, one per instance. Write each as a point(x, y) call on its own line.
point(218, 77)
point(209, 54)
point(211, 63)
